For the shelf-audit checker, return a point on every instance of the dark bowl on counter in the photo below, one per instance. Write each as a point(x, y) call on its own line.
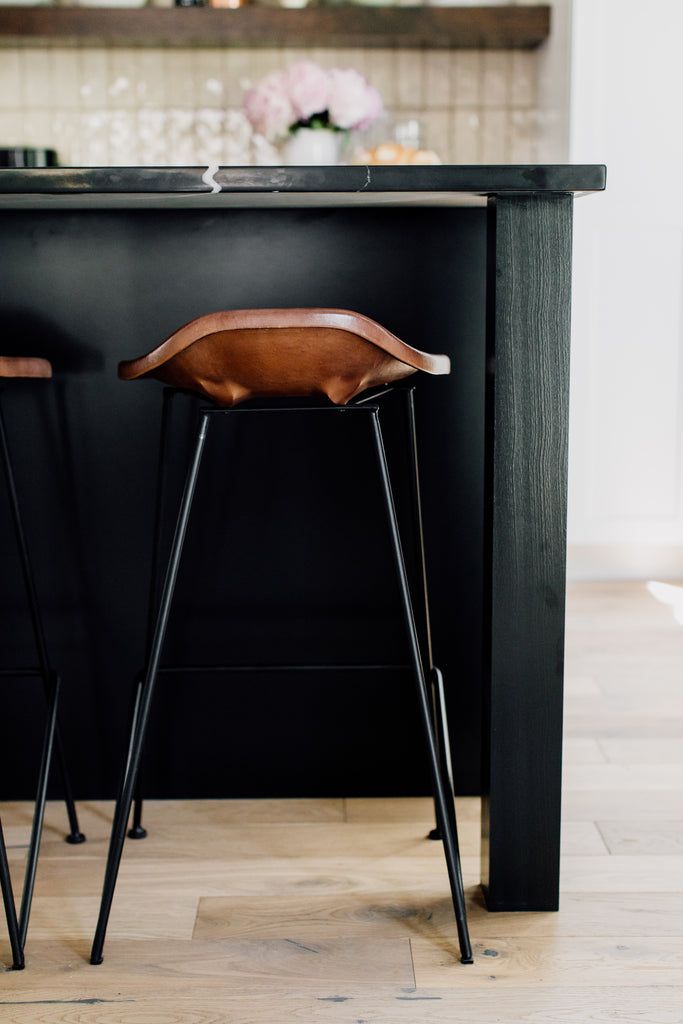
point(27, 156)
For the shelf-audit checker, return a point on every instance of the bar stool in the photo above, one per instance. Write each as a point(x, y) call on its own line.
point(22, 367)
point(286, 354)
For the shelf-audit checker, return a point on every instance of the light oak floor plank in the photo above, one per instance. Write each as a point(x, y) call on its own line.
point(555, 961)
point(374, 1005)
point(643, 751)
point(634, 838)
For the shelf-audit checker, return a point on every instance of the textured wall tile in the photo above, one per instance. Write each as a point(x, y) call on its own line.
point(209, 87)
point(36, 79)
point(437, 79)
point(321, 55)
point(495, 78)
point(123, 79)
point(524, 79)
point(466, 137)
point(37, 128)
point(10, 80)
point(467, 78)
point(238, 72)
point(436, 133)
point(152, 140)
point(11, 128)
point(546, 133)
point(288, 55)
point(94, 78)
point(63, 135)
point(210, 132)
point(237, 140)
point(523, 137)
point(91, 144)
point(64, 71)
point(150, 78)
point(382, 73)
point(180, 78)
point(494, 136)
point(256, 64)
point(123, 138)
point(350, 58)
point(182, 140)
point(409, 78)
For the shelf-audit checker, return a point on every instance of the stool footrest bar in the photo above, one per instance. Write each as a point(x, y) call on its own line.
point(178, 669)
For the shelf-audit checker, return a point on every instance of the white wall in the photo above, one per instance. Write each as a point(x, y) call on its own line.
point(554, 81)
point(626, 484)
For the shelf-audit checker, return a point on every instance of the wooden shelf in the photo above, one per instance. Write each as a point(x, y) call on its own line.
point(345, 25)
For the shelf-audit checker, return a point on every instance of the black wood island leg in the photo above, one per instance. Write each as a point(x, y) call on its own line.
point(527, 412)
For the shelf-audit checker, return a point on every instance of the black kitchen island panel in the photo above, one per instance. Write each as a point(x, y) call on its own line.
point(100, 265)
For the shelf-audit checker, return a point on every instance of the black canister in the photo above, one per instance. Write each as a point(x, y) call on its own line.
point(27, 156)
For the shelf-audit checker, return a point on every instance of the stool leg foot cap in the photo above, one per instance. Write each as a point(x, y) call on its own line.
point(138, 832)
point(435, 834)
point(74, 838)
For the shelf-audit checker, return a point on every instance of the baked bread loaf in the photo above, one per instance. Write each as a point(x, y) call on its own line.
point(396, 153)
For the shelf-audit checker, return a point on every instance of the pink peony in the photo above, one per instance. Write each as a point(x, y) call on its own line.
point(352, 103)
point(291, 98)
point(308, 88)
point(268, 107)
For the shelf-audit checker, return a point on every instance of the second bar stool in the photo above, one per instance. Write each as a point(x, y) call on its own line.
point(332, 354)
point(20, 367)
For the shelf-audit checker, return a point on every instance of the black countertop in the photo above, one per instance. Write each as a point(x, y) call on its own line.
point(448, 184)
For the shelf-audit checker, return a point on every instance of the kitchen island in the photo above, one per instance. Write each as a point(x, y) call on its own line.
point(100, 265)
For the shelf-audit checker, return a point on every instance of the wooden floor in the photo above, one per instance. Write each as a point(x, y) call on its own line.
point(338, 910)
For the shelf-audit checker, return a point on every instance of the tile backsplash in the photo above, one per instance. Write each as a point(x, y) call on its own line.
point(168, 106)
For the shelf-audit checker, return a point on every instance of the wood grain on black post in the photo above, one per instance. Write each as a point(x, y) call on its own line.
point(529, 320)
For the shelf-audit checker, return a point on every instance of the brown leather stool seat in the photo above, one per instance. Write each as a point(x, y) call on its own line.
point(29, 367)
point(259, 353)
point(331, 354)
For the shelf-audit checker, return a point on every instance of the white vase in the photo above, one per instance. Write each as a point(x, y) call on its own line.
point(308, 146)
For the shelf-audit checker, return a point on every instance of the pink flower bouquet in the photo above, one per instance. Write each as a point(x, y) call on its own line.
point(305, 95)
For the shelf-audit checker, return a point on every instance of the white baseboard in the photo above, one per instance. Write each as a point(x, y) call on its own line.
point(624, 562)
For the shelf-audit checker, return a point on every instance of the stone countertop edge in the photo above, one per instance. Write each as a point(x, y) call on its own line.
point(474, 179)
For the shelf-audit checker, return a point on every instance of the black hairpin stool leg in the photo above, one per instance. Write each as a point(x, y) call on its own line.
point(141, 715)
point(434, 674)
point(10, 909)
point(136, 830)
point(442, 737)
point(442, 794)
point(39, 811)
point(75, 835)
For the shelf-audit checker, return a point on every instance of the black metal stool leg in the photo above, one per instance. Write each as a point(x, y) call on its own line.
point(39, 811)
point(141, 716)
point(442, 736)
point(442, 795)
point(75, 835)
point(10, 908)
point(136, 831)
point(422, 598)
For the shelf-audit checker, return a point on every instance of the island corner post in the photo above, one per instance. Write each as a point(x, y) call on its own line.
point(528, 341)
